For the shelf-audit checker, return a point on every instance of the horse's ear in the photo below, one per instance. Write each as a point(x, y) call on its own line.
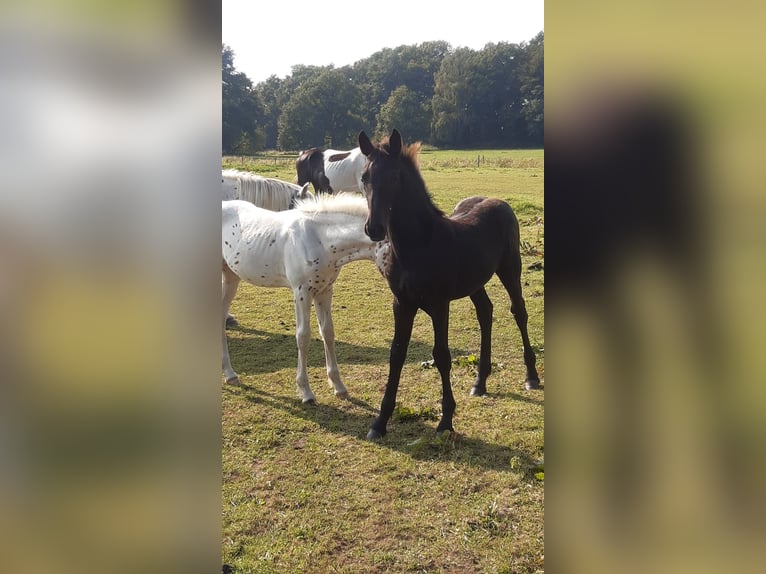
point(304, 192)
point(365, 144)
point(395, 143)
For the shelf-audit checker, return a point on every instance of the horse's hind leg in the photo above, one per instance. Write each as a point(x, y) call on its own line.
point(510, 275)
point(323, 305)
point(483, 307)
point(231, 320)
point(229, 284)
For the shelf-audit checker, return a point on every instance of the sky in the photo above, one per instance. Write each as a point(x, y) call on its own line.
point(268, 38)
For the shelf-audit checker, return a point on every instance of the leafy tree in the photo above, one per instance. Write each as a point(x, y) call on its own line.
point(497, 99)
point(272, 93)
point(492, 97)
point(404, 111)
point(479, 101)
point(411, 66)
point(302, 74)
point(300, 126)
point(326, 110)
point(453, 94)
point(276, 93)
point(533, 89)
point(242, 112)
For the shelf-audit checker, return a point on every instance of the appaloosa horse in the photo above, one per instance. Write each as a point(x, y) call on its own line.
point(302, 249)
point(434, 259)
point(265, 192)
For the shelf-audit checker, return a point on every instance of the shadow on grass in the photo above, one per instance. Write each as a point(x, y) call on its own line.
point(254, 351)
point(517, 397)
point(414, 435)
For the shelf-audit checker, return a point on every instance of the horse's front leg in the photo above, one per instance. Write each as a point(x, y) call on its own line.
point(323, 306)
point(404, 317)
point(302, 300)
point(229, 284)
point(484, 308)
point(443, 361)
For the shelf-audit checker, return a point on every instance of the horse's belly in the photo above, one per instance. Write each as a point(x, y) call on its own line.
point(423, 285)
point(342, 179)
point(262, 276)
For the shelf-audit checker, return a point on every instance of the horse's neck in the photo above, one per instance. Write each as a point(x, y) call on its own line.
point(346, 239)
point(414, 215)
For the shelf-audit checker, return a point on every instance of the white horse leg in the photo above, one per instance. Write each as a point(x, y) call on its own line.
point(323, 305)
point(302, 301)
point(229, 284)
point(231, 321)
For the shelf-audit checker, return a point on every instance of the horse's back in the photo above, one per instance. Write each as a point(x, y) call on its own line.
point(232, 208)
point(482, 234)
point(252, 216)
point(485, 212)
point(237, 214)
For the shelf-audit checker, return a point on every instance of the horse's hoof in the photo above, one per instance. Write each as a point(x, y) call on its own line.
point(342, 395)
point(231, 322)
point(311, 401)
point(532, 385)
point(233, 380)
point(374, 435)
point(477, 392)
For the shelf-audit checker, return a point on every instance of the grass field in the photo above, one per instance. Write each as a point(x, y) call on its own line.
point(304, 491)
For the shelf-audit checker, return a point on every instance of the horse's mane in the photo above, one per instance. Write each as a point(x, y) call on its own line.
point(267, 192)
point(410, 152)
point(411, 156)
point(351, 203)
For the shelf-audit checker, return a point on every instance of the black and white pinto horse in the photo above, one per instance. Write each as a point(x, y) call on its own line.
point(330, 170)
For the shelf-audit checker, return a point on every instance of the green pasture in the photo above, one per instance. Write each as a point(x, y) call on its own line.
point(305, 492)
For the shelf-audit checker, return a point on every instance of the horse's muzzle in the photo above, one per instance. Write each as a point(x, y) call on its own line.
point(375, 232)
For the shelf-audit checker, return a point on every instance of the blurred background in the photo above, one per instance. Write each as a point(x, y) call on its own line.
point(655, 280)
point(110, 408)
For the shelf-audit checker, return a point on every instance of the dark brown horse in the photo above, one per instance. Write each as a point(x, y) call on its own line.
point(435, 259)
point(310, 168)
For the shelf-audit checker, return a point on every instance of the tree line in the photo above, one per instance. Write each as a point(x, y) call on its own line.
point(450, 98)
